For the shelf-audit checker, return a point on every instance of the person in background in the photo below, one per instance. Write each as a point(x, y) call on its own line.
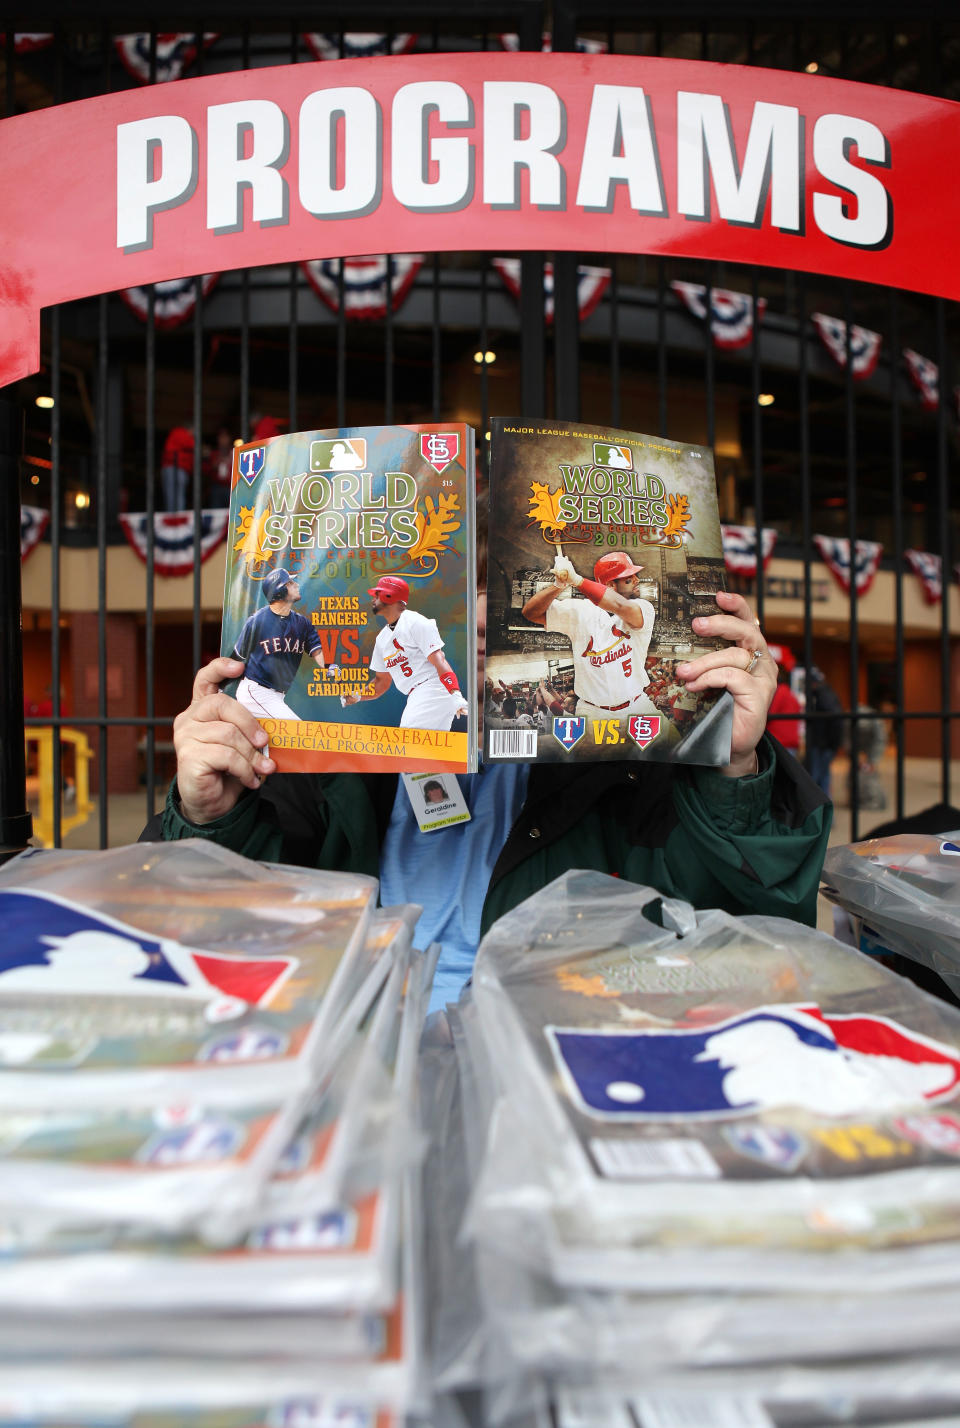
point(219, 469)
point(176, 468)
point(824, 734)
point(784, 701)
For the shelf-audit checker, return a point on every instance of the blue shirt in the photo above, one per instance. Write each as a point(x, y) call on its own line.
point(273, 645)
point(448, 871)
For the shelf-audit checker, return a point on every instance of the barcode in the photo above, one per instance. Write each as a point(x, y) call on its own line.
point(696, 1411)
point(654, 1160)
point(513, 743)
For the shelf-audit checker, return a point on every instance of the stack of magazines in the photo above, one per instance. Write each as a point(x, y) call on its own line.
point(904, 892)
point(715, 1171)
point(208, 1138)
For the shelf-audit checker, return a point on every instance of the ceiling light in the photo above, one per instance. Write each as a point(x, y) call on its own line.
point(484, 358)
point(45, 402)
point(82, 500)
point(766, 399)
point(812, 67)
point(34, 480)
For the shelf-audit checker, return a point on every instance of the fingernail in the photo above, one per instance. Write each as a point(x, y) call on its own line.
point(682, 669)
point(260, 737)
point(698, 623)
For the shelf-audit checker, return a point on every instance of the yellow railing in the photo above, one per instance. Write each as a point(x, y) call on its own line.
point(41, 739)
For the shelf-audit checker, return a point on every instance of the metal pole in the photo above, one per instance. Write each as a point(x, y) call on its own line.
point(16, 824)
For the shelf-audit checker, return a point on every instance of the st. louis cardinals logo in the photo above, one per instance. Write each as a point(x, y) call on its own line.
point(250, 463)
point(440, 448)
point(569, 730)
point(53, 948)
point(771, 1058)
point(644, 728)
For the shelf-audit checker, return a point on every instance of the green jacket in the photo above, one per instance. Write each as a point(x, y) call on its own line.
point(750, 845)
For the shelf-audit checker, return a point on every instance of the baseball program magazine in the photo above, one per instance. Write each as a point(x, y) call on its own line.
point(604, 545)
point(350, 597)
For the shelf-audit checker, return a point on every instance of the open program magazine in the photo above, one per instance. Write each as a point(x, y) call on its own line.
point(349, 594)
point(604, 545)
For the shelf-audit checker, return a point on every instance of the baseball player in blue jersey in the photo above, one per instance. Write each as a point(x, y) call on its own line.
point(272, 643)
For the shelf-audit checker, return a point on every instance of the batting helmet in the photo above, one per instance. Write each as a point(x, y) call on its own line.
point(390, 588)
point(617, 565)
point(275, 584)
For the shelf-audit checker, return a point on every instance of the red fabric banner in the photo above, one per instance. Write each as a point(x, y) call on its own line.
point(493, 151)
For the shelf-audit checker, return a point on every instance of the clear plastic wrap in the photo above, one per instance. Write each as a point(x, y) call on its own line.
point(143, 974)
point(906, 890)
point(733, 1088)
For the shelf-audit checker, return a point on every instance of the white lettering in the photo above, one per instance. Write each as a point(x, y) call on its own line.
point(871, 226)
point(413, 151)
point(505, 152)
point(771, 163)
point(620, 147)
point(230, 170)
point(340, 153)
point(156, 169)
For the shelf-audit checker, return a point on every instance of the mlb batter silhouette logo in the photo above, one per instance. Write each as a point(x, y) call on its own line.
point(770, 1058)
point(52, 948)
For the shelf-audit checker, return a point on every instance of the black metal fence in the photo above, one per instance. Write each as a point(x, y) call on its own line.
point(803, 446)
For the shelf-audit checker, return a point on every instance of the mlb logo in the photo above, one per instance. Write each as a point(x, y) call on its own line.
point(250, 463)
point(569, 730)
point(767, 1059)
point(53, 948)
point(439, 448)
point(952, 849)
point(769, 1145)
point(644, 728)
point(192, 1144)
point(247, 1043)
point(335, 1230)
point(343, 454)
point(619, 458)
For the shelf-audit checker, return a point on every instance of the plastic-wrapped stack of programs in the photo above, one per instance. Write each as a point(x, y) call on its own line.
point(714, 1162)
point(905, 892)
point(208, 1141)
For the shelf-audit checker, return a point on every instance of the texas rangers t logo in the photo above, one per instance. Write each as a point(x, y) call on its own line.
point(250, 463)
point(439, 448)
point(644, 728)
point(569, 730)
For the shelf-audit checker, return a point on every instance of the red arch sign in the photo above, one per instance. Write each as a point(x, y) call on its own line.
point(598, 153)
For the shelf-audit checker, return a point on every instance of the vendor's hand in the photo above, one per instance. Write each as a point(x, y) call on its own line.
point(564, 572)
point(752, 681)
point(220, 746)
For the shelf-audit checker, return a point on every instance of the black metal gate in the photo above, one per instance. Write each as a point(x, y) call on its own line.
point(804, 448)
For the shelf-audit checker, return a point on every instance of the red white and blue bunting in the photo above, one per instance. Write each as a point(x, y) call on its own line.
point(864, 344)
point(364, 282)
point(173, 538)
point(835, 554)
point(175, 53)
point(731, 314)
point(740, 548)
point(174, 300)
point(24, 44)
point(581, 47)
point(929, 570)
point(357, 45)
point(592, 283)
point(925, 376)
point(33, 523)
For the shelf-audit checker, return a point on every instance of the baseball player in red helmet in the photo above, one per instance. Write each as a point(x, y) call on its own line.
point(609, 631)
point(408, 652)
